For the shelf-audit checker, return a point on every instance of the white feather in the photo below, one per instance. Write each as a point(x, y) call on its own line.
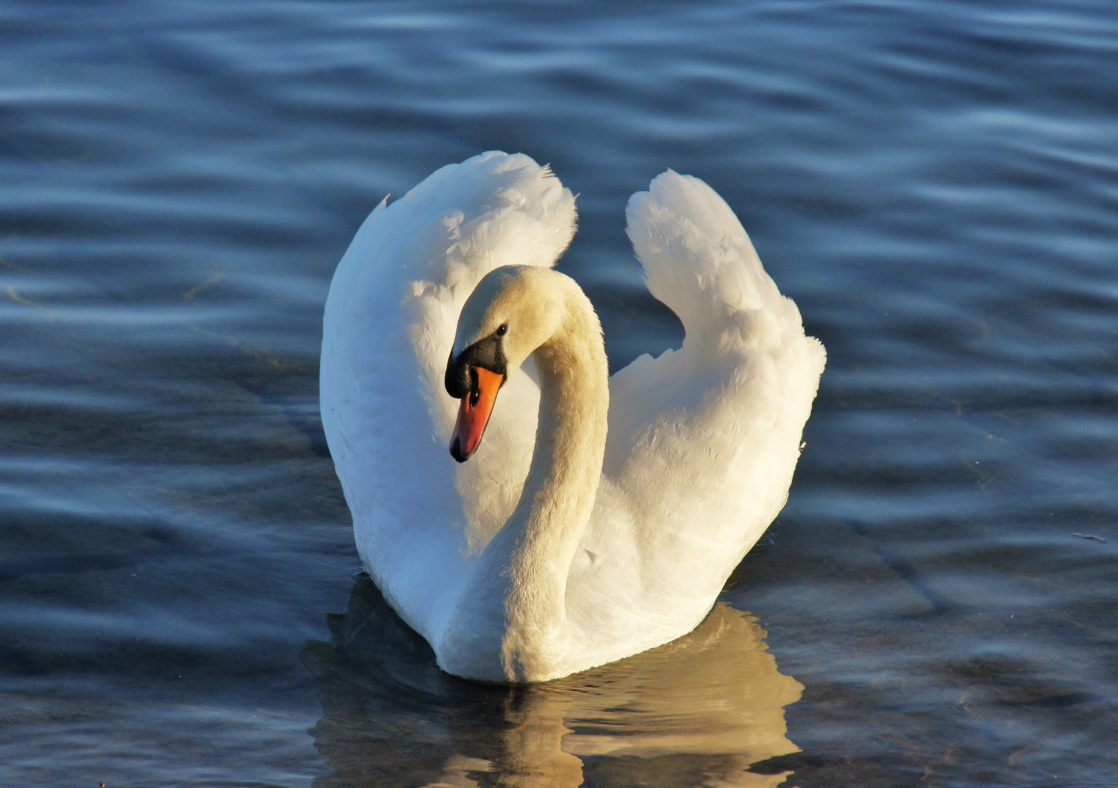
point(702, 441)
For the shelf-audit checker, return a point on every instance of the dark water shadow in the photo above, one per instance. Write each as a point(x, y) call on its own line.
point(700, 710)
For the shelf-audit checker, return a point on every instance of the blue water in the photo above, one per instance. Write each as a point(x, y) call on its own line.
point(935, 183)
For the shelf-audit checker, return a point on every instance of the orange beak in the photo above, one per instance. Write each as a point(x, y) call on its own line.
point(474, 413)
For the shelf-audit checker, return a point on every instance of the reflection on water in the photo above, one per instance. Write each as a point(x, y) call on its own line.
point(700, 710)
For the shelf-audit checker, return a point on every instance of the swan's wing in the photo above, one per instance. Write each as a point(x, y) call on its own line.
point(702, 441)
point(419, 517)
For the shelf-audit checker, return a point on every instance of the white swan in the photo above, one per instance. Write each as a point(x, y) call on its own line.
point(555, 549)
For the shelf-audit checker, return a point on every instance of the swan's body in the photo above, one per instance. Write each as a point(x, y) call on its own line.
point(613, 529)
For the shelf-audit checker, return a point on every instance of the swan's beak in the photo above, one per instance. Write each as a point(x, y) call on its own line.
point(474, 412)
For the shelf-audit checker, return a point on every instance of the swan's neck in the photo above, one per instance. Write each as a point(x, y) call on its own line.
point(523, 571)
point(566, 465)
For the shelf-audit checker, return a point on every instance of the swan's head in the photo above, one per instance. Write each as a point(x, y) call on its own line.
point(512, 311)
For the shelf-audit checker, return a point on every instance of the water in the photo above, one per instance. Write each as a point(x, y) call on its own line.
point(936, 185)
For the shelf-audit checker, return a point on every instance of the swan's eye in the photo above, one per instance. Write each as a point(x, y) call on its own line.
point(502, 329)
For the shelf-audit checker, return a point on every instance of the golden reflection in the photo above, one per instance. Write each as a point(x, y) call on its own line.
point(700, 710)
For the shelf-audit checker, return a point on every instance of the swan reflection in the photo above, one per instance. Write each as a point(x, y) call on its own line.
point(699, 710)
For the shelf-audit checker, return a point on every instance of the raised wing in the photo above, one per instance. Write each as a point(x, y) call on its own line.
point(702, 441)
point(420, 519)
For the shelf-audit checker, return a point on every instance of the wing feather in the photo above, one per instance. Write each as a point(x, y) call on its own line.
point(702, 441)
point(420, 519)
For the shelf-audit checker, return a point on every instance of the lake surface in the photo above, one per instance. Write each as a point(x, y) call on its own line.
point(936, 185)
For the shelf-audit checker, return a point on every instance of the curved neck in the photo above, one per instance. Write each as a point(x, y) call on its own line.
point(554, 509)
point(521, 579)
point(570, 445)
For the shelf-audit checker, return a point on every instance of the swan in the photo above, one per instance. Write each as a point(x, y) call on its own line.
point(578, 518)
